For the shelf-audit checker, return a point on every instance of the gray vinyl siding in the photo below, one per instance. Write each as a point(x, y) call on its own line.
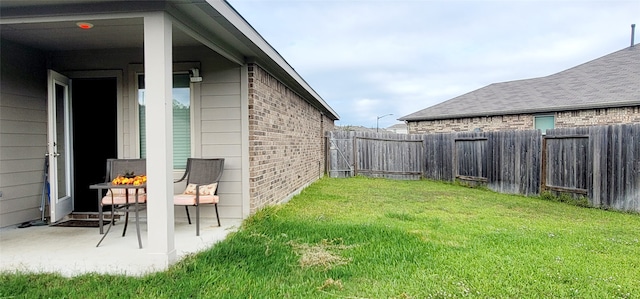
point(220, 129)
point(23, 132)
point(23, 121)
point(217, 123)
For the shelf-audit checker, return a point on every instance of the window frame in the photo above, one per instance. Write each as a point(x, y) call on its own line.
point(541, 116)
point(194, 101)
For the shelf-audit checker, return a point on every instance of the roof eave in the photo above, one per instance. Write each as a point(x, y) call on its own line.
point(525, 111)
point(261, 52)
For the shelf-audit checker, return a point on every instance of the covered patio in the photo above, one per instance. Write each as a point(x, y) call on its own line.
point(72, 251)
point(84, 81)
point(139, 47)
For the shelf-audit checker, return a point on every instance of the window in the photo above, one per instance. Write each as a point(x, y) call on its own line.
point(544, 122)
point(181, 119)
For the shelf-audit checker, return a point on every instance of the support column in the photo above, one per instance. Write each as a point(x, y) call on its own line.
point(158, 71)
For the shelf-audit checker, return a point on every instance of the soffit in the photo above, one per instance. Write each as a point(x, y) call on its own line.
point(50, 25)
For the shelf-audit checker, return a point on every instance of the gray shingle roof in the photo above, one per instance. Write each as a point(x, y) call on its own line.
point(398, 126)
point(609, 81)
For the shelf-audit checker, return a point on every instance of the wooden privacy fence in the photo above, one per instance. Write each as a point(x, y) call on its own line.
point(605, 167)
point(506, 161)
point(601, 163)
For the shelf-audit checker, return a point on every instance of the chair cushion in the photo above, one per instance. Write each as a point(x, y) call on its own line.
point(122, 199)
point(190, 200)
point(118, 192)
point(204, 189)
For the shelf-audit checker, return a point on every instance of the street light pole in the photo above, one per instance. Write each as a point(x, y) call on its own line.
point(378, 120)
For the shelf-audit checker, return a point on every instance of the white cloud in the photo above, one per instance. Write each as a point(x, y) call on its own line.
point(367, 58)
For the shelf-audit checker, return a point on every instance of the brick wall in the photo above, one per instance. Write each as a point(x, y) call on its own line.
point(598, 117)
point(485, 123)
point(286, 140)
point(565, 119)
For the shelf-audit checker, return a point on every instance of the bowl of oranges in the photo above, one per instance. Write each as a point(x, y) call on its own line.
point(129, 178)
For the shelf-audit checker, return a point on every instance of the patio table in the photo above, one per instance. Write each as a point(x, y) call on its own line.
point(126, 207)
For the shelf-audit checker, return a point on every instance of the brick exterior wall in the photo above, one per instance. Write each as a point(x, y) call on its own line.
point(565, 119)
point(286, 140)
point(598, 117)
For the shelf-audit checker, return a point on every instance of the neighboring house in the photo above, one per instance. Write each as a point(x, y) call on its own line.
point(600, 92)
point(398, 128)
point(162, 80)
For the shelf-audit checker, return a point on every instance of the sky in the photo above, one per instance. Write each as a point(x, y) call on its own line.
point(371, 58)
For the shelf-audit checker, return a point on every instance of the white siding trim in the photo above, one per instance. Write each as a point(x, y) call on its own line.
point(134, 114)
point(134, 128)
point(244, 116)
point(196, 116)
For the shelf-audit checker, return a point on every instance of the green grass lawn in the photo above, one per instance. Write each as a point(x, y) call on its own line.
point(376, 238)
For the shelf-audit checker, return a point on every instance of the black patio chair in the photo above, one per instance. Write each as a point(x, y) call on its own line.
point(202, 178)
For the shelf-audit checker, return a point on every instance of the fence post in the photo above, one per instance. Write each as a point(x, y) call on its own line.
point(355, 155)
point(543, 167)
point(327, 166)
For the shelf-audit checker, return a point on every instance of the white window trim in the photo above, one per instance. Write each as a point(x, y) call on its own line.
point(535, 116)
point(179, 67)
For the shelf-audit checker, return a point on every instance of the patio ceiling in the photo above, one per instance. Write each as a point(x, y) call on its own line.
point(50, 25)
point(68, 36)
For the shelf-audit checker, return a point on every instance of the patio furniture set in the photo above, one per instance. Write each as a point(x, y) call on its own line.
point(126, 190)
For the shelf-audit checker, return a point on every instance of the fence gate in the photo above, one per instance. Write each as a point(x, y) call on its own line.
point(565, 165)
point(339, 158)
point(470, 159)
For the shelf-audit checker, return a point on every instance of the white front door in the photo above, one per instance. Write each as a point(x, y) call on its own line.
point(59, 146)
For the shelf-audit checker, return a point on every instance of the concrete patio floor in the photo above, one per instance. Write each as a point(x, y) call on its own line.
point(72, 251)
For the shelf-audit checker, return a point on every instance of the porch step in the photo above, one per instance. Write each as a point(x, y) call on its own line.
point(90, 215)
